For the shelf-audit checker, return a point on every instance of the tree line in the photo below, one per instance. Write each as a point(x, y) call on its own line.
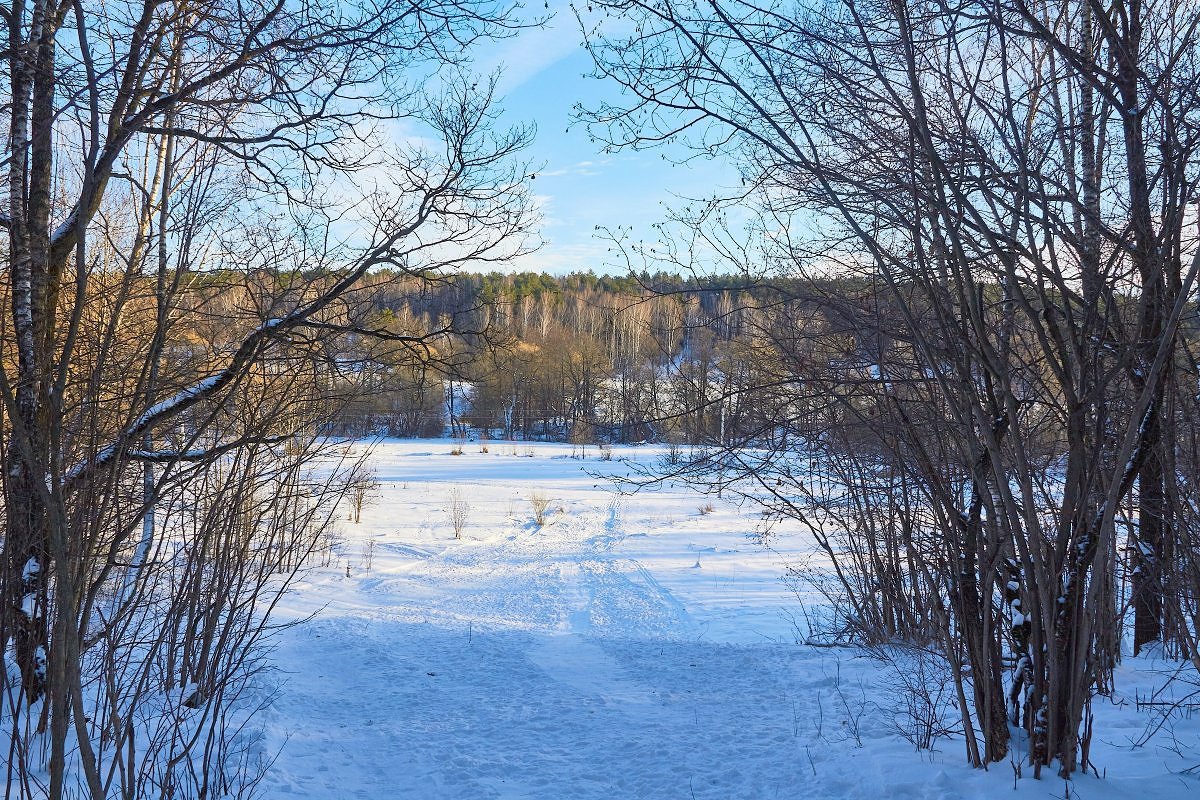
point(574, 357)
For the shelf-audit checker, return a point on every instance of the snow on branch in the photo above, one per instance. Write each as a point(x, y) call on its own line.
point(183, 399)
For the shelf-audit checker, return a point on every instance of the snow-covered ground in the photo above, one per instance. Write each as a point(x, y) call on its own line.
point(632, 647)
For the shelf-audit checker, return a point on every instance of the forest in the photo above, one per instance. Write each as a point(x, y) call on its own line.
point(574, 358)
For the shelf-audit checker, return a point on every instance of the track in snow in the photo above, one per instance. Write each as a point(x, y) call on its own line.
point(629, 649)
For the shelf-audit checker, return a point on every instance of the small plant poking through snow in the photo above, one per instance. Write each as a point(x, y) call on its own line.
point(922, 686)
point(459, 511)
point(367, 557)
point(539, 501)
point(673, 456)
point(327, 544)
point(707, 508)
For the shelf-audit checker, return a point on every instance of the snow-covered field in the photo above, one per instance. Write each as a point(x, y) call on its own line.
point(631, 647)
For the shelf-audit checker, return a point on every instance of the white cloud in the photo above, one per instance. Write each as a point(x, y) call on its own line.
point(562, 258)
point(534, 50)
point(581, 168)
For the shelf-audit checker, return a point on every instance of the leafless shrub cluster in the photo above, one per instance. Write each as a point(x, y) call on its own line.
point(180, 322)
point(366, 558)
point(361, 491)
point(539, 501)
point(974, 358)
point(175, 654)
point(922, 690)
point(459, 511)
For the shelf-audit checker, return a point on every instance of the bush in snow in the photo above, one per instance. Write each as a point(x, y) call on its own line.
point(539, 501)
point(458, 511)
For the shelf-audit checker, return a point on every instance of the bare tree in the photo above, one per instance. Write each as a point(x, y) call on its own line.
point(996, 261)
point(178, 282)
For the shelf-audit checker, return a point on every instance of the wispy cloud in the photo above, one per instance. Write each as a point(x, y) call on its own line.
point(565, 257)
point(582, 168)
point(534, 50)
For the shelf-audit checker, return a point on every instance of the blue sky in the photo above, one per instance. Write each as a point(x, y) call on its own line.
point(578, 187)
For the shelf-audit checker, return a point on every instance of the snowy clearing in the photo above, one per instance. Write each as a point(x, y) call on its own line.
point(638, 646)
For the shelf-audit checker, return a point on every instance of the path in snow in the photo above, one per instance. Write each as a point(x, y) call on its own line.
point(629, 649)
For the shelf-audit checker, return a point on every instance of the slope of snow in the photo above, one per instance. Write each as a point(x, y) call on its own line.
point(632, 647)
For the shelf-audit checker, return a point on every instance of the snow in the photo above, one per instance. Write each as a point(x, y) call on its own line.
point(589, 659)
point(182, 396)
